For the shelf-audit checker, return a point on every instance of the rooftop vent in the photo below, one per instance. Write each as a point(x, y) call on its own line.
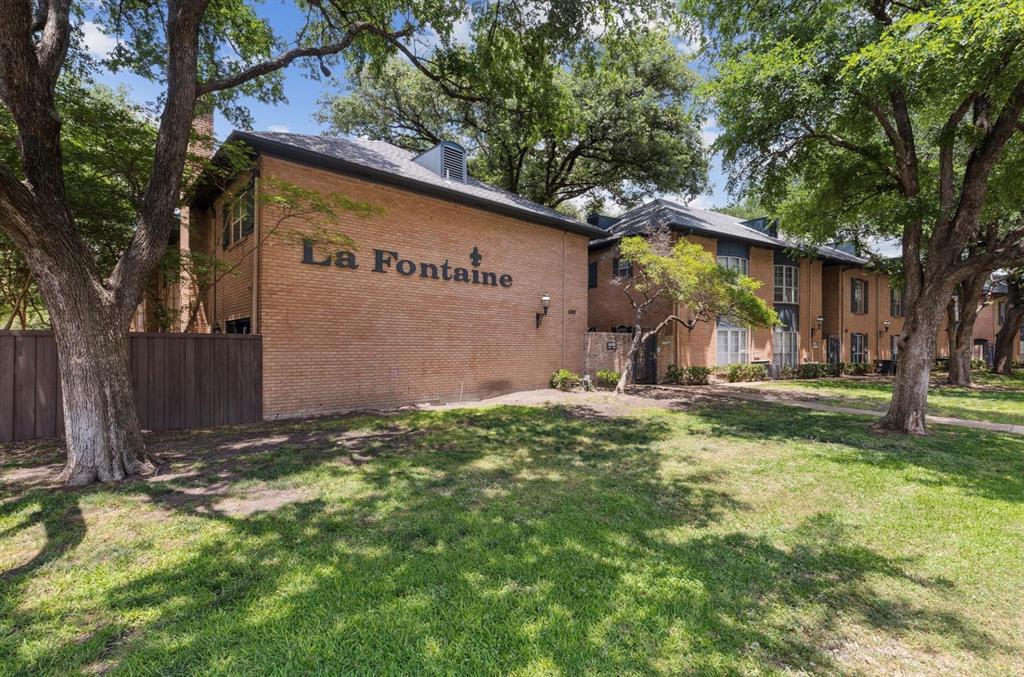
point(601, 221)
point(447, 159)
point(765, 225)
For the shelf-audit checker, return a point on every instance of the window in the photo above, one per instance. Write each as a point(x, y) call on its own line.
point(859, 348)
point(238, 218)
point(734, 263)
point(859, 297)
point(894, 346)
point(239, 326)
point(785, 346)
point(592, 275)
point(787, 284)
point(732, 345)
point(1001, 313)
point(896, 302)
point(621, 268)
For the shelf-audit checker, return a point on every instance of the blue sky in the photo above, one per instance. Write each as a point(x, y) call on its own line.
point(303, 93)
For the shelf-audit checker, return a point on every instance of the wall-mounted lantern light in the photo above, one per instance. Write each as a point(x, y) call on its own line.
point(886, 325)
point(545, 301)
point(821, 321)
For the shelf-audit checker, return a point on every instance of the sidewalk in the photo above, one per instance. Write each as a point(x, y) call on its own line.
point(738, 392)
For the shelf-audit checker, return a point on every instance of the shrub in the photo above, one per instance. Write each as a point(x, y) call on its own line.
point(858, 368)
point(789, 373)
point(688, 376)
point(736, 373)
point(608, 378)
point(563, 379)
point(813, 370)
point(979, 364)
point(837, 369)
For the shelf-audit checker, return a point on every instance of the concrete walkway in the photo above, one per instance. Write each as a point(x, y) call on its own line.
point(738, 393)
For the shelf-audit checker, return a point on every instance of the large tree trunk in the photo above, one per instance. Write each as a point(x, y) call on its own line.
point(101, 425)
point(1010, 331)
point(909, 404)
point(961, 331)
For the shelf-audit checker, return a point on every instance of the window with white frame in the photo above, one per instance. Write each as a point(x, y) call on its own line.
point(894, 346)
point(896, 302)
point(1001, 313)
point(787, 284)
point(731, 346)
point(735, 263)
point(785, 347)
point(238, 218)
point(859, 348)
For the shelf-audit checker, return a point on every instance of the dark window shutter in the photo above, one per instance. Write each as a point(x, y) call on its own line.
point(615, 267)
point(592, 275)
point(853, 296)
point(225, 213)
point(250, 203)
point(865, 283)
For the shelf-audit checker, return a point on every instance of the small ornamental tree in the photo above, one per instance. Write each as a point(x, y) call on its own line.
point(689, 278)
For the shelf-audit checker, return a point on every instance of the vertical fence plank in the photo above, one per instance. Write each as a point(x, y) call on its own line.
point(24, 387)
point(138, 350)
point(46, 387)
point(6, 388)
point(188, 384)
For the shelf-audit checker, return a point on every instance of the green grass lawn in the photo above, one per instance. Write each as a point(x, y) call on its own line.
point(999, 399)
point(740, 539)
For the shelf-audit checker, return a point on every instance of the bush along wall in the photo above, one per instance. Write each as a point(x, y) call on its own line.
point(736, 373)
point(688, 376)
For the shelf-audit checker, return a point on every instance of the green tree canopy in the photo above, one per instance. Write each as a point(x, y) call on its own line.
point(107, 155)
point(615, 120)
point(858, 118)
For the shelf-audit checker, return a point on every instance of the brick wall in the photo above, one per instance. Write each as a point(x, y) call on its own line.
point(336, 339)
point(597, 355)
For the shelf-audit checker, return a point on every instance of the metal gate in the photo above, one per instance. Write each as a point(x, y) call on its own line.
point(645, 364)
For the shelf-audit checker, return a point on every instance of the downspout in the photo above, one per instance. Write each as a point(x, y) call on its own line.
point(257, 218)
point(565, 310)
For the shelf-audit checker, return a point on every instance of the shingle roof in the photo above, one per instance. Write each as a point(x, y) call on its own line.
point(385, 162)
point(663, 212)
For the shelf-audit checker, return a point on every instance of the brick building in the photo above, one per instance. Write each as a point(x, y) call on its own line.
point(834, 307)
point(410, 281)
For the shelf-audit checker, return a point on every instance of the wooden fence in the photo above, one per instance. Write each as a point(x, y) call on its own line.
point(180, 381)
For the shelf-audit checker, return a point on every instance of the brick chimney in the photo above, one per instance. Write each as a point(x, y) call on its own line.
point(201, 144)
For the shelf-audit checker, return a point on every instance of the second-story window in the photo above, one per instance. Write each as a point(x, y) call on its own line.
point(859, 297)
point(735, 263)
point(592, 275)
point(238, 218)
point(1001, 313)
point(896, 302)
point(621, 268)
point(787, 284)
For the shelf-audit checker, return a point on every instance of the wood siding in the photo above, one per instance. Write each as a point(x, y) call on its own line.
point(180, 380)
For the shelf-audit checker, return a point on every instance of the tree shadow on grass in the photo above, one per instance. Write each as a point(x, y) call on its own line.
point(496, 540)
point(982, 463)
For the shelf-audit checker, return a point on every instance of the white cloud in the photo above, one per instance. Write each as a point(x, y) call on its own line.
point(702, 202)
point(96, 41)
point(277, 128)
point(710, 132)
